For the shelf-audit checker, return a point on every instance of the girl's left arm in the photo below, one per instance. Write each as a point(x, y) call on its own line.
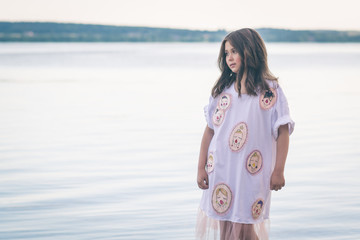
point(277, 180)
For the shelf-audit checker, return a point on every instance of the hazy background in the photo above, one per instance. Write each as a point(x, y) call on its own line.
point(199, 14)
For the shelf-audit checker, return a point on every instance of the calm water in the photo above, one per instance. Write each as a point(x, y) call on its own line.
point(100, 141)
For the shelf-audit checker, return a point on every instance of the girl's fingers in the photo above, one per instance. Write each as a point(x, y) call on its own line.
point(203, 180)
point(276, 188)
point(203, 184)
point(200, 185)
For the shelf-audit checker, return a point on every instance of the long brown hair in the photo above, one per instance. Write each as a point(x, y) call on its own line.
point(254, 67)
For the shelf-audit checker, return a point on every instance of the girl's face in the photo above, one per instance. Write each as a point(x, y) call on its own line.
point(232, 57)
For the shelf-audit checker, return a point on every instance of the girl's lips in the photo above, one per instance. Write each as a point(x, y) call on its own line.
point(232, 65)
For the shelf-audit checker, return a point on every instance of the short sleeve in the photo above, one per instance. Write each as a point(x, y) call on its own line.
point(281, 114)
point(208, 110)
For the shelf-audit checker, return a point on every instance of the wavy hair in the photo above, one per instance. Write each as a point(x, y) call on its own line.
point(254, 67)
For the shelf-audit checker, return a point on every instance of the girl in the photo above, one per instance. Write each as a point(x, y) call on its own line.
point(247, 139)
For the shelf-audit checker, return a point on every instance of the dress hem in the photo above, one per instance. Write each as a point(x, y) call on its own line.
point(211, 228)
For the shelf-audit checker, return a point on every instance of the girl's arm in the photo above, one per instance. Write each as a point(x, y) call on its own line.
point(277, 180)
point(202, 177)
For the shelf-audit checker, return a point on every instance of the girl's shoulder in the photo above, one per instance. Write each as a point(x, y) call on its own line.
point(274, 84)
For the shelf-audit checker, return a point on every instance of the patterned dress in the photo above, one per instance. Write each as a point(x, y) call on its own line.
point(241, 157)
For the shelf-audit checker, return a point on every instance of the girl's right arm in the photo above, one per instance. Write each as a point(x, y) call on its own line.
point(202, 177)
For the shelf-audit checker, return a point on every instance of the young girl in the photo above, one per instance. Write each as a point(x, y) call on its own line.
point(246, 142)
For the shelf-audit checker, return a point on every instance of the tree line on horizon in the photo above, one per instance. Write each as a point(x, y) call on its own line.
point(71, 32)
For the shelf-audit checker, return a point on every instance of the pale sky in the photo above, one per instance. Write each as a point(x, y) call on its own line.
point(191, 14)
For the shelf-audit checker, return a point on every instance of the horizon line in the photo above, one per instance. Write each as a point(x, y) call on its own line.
point(176, 28)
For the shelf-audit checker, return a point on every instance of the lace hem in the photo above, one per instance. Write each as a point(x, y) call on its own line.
point(209, 228)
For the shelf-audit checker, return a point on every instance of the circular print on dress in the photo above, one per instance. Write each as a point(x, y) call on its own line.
point(257, 207)
point(238, 136)
point(221, 198)
point(254, 162)
point(218, 116)
point(210, 163)
point(268, 99)
point(224, 101)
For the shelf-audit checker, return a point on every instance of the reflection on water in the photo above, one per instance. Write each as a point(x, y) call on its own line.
point(100, 141)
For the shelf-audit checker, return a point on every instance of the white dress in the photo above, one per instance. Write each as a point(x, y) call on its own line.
point(241, 157)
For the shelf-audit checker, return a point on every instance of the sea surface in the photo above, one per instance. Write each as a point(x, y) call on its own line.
point(101, 140)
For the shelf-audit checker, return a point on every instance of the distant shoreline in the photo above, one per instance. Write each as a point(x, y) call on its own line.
point(72, 32)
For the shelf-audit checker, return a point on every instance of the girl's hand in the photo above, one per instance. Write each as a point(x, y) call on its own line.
point(202, 179)
point(277, 181)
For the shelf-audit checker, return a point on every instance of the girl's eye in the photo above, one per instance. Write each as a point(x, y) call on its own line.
point(234, 51)
point(226, 54)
